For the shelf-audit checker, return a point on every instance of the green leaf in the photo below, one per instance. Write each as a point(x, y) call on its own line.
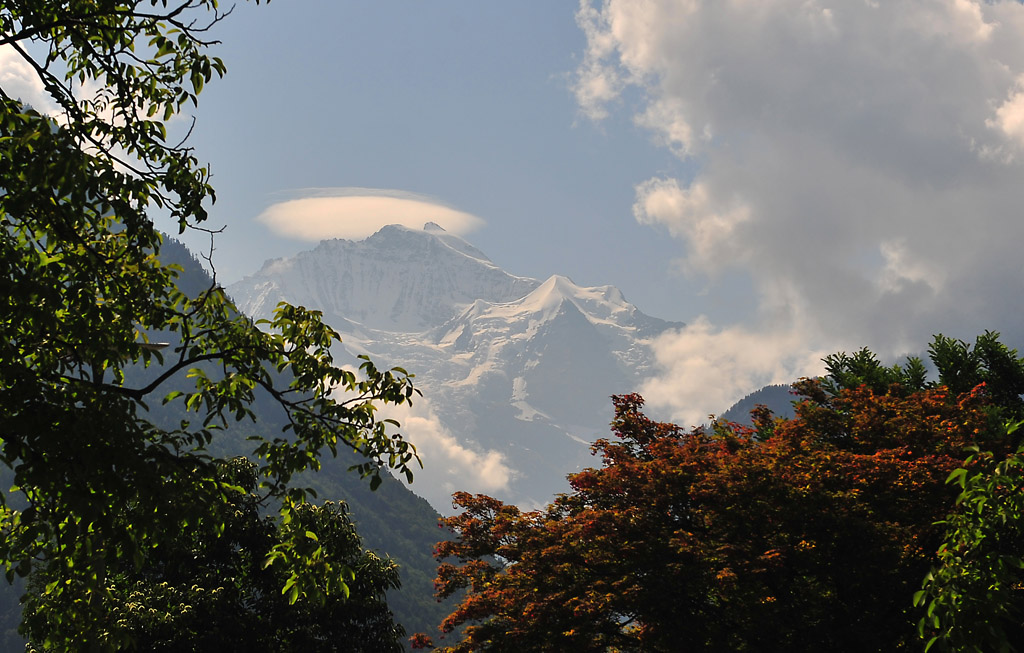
point(171, 396)
point(957, 475)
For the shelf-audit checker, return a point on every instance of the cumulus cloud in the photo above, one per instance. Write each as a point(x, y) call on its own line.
point(707, 366)
point(695, 214)
point(860, 161)
point(1009, 116)
point(356, 213)
point(447, 464)
point(20, 81)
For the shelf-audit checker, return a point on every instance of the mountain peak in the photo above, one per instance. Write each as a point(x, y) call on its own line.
point(551, 294)
point(493, 351)
point(433, 227)
point(398, 279)
point(560, 283)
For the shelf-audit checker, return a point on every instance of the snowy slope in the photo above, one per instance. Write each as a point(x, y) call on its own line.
point(516, 373)
point(399, 279)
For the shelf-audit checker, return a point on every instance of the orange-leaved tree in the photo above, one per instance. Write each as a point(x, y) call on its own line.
point(804, 534)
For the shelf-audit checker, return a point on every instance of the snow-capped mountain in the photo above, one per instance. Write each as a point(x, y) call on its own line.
point(516, 373)
point(399, 279)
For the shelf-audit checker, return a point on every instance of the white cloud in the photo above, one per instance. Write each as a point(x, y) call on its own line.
point(20, 81)
point(707, 369)
point(899, 270)
point(1009, 116)
point(693, 214)
point(448, 466)
point(859, 161)
point(667, 117)
point(356, 213)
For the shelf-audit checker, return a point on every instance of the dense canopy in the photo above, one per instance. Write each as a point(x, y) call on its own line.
point(810, 533)
point(84, 298)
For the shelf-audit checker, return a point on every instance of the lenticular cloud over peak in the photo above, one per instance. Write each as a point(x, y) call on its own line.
point(355, 213)
point(862, 161)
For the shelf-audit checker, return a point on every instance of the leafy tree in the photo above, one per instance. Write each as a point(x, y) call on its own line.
point(210, 590)
point(960, 367)
point(813, 538)
point(863, 368)
point(972, 599)
point(82, 289)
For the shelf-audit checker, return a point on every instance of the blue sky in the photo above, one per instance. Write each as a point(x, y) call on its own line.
point(469, 104)
point(789, 177)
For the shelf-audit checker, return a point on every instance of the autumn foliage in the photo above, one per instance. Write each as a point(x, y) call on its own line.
point(805, 534)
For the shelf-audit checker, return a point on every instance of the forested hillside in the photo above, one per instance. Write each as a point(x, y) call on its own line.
point(779, 398)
